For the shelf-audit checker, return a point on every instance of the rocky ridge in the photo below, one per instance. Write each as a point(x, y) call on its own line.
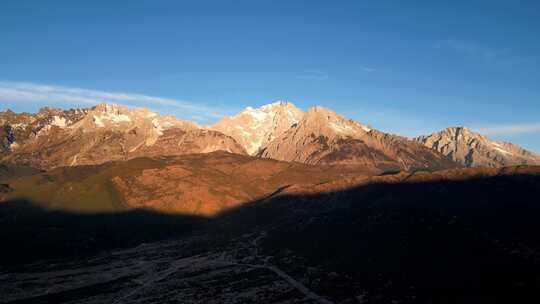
point(476, 150)
point(55, 137)
point(281, 131)
point(324, 137)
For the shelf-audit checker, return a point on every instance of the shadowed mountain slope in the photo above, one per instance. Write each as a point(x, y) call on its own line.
point(457, 236)
point(202, 184)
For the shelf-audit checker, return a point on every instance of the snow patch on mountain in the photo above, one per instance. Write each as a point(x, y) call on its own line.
point(115, 117)
point(257, 115)
point(341, 128)
point(59, 121)
point(503, 151)
point(500, 148)
point(98, 122)
point(253, 128)
point(159, 129)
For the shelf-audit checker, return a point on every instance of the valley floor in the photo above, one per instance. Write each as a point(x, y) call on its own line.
point(160, 272)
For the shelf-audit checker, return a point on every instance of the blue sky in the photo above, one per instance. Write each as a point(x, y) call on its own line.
point(406, 67)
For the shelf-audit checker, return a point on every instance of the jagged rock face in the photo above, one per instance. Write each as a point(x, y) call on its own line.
point(18, 128)
point(254, 128)
point(323, 137)
point(475, 150)
point(54, 137)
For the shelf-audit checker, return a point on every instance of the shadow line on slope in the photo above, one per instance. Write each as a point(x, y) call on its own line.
point(465, 241)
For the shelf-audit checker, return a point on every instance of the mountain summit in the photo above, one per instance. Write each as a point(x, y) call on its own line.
point(254, 128)
point(324, 137)
point(476, 150)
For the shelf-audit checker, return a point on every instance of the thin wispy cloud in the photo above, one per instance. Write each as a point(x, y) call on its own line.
point(522, 128)
point(313, 74)
point(367, 69)
point(470, 49)
point(51, 94)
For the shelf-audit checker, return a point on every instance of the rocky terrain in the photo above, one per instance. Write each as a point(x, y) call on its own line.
point(475, 150)
point(18, 128)
point(54, 137)
point(323, 137)
point(254, 128)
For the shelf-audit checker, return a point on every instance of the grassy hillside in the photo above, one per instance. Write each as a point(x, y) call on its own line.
point(203, 184)
point(85, 189)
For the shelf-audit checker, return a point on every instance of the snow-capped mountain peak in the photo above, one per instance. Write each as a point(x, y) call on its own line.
point(254, 127)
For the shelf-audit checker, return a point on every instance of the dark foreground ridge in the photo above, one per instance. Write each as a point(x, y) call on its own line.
point(468, 241)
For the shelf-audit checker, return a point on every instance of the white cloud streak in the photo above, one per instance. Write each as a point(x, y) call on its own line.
point(367, 69)
point(511, 129)
point(313, 74)
point(51, 94)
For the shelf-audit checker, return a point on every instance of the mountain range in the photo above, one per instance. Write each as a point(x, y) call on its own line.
point(272, 205)
point(54, 138)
